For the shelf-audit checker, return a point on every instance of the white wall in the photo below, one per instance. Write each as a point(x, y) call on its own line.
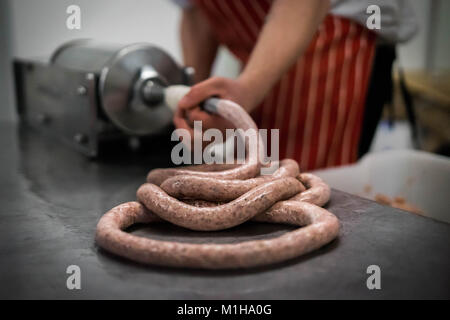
point(412, 55)
point(441, 51)
point(38, 27)
point(6, 88)
point(430, 48)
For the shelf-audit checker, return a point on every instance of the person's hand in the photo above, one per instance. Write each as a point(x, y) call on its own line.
point(188, 110)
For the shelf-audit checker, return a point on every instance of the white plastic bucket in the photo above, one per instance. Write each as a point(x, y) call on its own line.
point(421, 178)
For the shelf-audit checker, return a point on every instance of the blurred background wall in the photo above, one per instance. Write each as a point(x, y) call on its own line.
point(31, 28)
point(6, 88)
point(35, 28)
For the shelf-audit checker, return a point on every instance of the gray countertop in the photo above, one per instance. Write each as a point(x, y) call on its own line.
point(51, 199)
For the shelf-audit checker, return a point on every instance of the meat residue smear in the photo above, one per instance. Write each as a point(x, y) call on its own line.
point(397, 202)
point(367, 188)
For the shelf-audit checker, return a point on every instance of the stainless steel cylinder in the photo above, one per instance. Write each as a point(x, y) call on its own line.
point(124, 74)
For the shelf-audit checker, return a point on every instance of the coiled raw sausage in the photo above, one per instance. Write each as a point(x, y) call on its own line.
point(216, 197)
point(319, 228)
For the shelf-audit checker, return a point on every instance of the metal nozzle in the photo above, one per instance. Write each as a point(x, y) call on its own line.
point(152, 93)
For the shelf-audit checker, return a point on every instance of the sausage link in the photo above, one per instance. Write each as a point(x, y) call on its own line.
point(236, 115)
point(158, 176)
point(219, 217)
point(211, 167)
point(319, 228)
point(212, 189)
point(244, 171)
point(318, 192)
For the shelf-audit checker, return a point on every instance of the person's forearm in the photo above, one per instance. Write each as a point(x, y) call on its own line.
point(290, 27)
point(198, 43)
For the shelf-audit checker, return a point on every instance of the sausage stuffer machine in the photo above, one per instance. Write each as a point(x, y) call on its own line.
point(91, 93)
